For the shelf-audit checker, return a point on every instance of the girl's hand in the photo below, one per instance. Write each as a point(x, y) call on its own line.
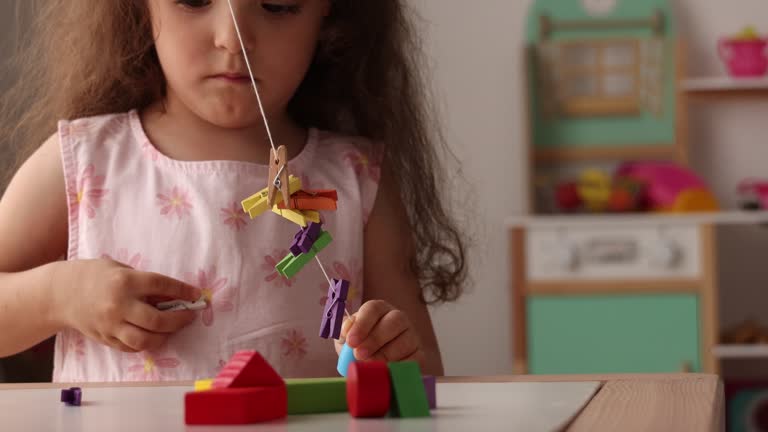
point(107, 302)
point(378, 331)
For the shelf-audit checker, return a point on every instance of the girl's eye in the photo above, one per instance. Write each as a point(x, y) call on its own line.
point(280, 9)
point(194, 4)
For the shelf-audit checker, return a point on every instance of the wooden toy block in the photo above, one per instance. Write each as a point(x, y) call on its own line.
point(258, 203)
point(313, 200)
point(230, 406)
point(72, 396)
point(247, 369)
point(316, 395)
point(202, 385)
point(291, 265)
point(429, 387)
point(368, 389)
point(409, 399)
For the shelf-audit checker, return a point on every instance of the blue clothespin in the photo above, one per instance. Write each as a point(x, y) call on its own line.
point(333, 312)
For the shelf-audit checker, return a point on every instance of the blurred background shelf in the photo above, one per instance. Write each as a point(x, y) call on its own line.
point(726, 87)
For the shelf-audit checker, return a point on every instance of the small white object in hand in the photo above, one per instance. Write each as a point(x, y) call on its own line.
point(178, 305)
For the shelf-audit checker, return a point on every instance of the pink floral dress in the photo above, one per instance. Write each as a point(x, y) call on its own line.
point(129, 202)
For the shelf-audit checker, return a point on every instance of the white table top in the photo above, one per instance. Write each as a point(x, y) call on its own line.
point(518, 406)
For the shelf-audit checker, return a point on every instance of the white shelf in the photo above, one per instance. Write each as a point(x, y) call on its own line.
point(741, 351)
point(724, 84)
point(733, 217)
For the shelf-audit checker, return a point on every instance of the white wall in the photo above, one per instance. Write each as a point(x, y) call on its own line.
point(475, 52)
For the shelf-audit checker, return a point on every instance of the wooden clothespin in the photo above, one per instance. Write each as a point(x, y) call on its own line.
point(257, 203)
point(299, 217)
point(278, 177)
point(291, 265)
point(333, 312)
point(306, 238)
point(312, 200)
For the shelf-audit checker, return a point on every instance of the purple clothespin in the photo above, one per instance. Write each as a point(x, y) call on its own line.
point(309, 236)
point(72, 396)
point(295, 249)
point(306, 238)
point(333, 312)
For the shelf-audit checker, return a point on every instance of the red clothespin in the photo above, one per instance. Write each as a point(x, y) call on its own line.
point(313, 200)
point(278, 176)
point(333, 312)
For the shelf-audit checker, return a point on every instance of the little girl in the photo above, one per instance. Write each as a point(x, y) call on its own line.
point(160, 136)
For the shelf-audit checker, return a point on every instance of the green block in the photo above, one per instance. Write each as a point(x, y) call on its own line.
point(409, 399)
point(317, 395)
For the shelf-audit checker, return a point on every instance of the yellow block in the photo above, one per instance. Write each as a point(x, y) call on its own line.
point(257, 204)
point(202, 385)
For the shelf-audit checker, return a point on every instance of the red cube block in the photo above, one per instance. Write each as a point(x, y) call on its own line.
point(368, 389)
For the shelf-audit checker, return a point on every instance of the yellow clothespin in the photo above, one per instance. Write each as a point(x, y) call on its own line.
point(257, 203)
point(278, 177)
point(299, 217)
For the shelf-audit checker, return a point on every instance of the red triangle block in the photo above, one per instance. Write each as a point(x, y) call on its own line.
point(247, 369)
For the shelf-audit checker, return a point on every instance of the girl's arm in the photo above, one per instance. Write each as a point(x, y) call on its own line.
point(393, 324)
point(33, 235)
point(40, 295)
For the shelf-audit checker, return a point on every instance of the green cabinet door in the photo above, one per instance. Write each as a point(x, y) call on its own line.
point(613, 333)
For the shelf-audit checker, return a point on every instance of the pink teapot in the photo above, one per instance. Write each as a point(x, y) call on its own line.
point(744, 56)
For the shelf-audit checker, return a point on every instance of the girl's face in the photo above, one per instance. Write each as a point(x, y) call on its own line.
point(202, 59)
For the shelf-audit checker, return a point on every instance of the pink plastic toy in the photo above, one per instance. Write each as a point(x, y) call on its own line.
point(744, 57)
point(753, 193)
point(670, 187)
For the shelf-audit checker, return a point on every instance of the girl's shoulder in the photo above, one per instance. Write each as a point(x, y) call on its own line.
point(99, 127)
point(340, 146)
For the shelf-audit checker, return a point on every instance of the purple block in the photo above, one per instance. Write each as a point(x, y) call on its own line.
point(429, 387)
point(72, 396)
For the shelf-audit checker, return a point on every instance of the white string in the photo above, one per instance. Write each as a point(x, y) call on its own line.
point(250, 73)
point(329, 281)
point(266, 123)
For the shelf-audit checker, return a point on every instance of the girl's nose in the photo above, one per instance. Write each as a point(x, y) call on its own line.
point(226, 34)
